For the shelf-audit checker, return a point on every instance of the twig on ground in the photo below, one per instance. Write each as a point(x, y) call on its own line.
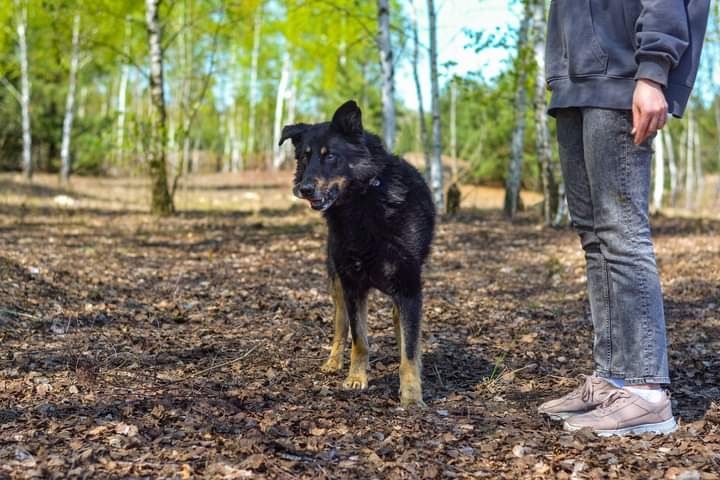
point(19, 314)
point(219, 365)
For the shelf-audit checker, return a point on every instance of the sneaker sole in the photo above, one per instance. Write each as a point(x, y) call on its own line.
point(662, 428)
point(561, 416)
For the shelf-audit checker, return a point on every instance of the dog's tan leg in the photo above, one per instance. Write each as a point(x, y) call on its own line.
point(410, 352)
point(335, 361)
point(357, 378)
point(396, 324)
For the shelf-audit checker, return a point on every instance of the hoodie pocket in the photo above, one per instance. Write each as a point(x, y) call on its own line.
point(572, 45)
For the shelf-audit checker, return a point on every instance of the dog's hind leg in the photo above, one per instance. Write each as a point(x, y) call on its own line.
point(410, 350)
point(356, 304)
point(396, 324)
point(335, 361)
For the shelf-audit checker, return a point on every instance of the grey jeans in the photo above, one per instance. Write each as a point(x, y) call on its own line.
point(607, 181)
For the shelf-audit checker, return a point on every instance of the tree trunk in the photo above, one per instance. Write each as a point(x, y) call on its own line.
point(717, 133)
point(689, 161)
point(254, 58)
point(236, 158)
point(563, 215)
point(659, 176)
point(436, 169)
point(122, 96)
point(70, 103)
point(514, 174)
point(282, 91)
point(542, 133)
point(699, 175)
point(453, 130)
point(388, 73)
point(27, 164)
point(161, 201)
point(418, 91)
point(672, 167)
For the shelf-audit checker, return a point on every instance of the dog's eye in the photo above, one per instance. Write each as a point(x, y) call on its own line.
point(330, 157)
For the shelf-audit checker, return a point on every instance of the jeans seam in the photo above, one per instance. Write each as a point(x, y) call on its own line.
point(632, 235)
point(608, 328)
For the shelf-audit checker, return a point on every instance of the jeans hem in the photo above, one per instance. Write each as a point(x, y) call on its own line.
point(664, 380)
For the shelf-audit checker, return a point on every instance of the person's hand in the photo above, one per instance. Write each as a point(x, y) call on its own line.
point(649, 109)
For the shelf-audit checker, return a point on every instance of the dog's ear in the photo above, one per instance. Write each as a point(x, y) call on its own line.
point(293, 132)
point(348, 119)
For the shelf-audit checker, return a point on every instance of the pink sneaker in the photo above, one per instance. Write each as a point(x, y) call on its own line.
point(624, 413)
point(592, 393)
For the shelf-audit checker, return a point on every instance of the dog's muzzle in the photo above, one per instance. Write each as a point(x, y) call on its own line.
point(319, 200)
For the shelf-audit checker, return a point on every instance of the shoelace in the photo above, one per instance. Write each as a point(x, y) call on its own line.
point(612, 398)
point(588, 389)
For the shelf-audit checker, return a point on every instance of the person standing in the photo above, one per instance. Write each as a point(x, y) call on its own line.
point(616, 69)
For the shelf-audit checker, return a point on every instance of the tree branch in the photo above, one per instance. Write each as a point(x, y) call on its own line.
point(11, 89)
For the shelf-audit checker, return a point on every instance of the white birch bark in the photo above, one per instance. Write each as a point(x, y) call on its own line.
point(70, 103)
point(161, 201)
point(282, 92)
point(542, 133)
point(672, 168)
point(418, 90)
point(689, 161)
point(514, 174)
point(122, 97)
point(699, 175)
point(236, 158)
point(388, 73)
point(659, 174)
point(453, 130)
point(436, 170)
point(254, 58)
point(21, 27)
point(717, 132)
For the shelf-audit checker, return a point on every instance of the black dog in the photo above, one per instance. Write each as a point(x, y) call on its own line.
point(380, 218)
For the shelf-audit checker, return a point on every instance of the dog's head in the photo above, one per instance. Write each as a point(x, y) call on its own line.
point(333, 159)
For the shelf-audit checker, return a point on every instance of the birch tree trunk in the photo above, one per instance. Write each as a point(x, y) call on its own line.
point(236, 158)
point(672, 168)
point(161, 201)
point(659, 176)
point(388, 73)
point(122, 96)
point(689, 161)
point(542, 133)
point(436, 170)
point(418, 91)
point(70, 103)
point(282, 91)
point(699, 175)
point(27, 164)
point(514, 175)
point(453, 130)
point(255, 55)
point(717, 130)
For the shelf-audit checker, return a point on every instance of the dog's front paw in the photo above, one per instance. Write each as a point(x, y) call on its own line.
point(412, 399)
point(356, 381)
point(332, 365)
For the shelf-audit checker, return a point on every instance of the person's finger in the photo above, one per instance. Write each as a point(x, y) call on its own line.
point(641, 128)
point(652, 127)
point(636, 117)
point(663, 120)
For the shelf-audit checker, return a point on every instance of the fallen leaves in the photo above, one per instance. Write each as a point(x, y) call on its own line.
point(190, 347)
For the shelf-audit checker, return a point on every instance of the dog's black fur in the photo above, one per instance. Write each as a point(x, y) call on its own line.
point(380, 218)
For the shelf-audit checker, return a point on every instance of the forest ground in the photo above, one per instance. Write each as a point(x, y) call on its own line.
point(190, 346)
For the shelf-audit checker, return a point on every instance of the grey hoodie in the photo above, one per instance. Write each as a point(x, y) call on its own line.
point(596, 49)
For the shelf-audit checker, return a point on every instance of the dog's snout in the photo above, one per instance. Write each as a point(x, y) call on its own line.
point(307, 189)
